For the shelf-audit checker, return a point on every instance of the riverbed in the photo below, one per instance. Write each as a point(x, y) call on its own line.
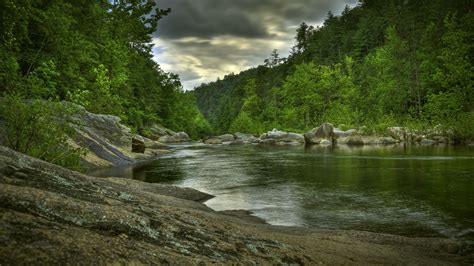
point(416, 191)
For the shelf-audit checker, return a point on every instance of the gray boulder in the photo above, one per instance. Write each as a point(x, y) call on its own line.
point(323, 132)
point(168, 139)
point(352, 140)
point(138, 144)
point(226, 137)
point(398, 133)
point(294, 137)
point(106, 140)
point(274, 134)
point(222, 139)
point(248, 138)
point(156, 131)
point(281, 137)
point(338, 133)
point(404, 134)
point(175, 138)
point(154, 145)
point(183, 136)
point(267, 142)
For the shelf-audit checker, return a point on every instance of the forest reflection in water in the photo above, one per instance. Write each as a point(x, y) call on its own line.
point(425, 191)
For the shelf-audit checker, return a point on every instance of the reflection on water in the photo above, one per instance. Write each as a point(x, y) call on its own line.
point(413, 191)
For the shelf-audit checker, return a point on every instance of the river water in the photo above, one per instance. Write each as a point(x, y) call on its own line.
point(412, 191)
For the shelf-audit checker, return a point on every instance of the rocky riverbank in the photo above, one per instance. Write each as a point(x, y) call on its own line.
point(51, 215)
point(327, 134)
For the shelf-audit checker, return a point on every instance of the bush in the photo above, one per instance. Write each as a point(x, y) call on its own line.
point(246, 124)
point(40, 129)
point(462, 127)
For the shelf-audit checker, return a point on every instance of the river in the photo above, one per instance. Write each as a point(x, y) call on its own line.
point(415, 191)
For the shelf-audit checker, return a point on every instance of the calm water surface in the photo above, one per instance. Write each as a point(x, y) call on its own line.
point(412, 191)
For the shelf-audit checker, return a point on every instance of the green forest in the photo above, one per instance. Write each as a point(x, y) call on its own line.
point(97, 54)
point(380, 64)
point(94, 53)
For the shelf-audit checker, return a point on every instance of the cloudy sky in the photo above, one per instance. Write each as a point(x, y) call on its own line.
point(202, 40)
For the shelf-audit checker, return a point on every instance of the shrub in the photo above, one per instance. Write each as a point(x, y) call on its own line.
point(40, 129)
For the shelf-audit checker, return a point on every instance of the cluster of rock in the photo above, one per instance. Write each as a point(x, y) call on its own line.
point(277, 137)
point(159, 133)
point(274, 137)
point(110, 143)
point(428, 137)
point(327, 134)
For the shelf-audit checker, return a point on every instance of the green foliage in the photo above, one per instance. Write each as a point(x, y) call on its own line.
point(186, 117)
point(41, 83)
point(455, 74)
point(94, 53)
point(102, 98)
point(245, 123)
point(40, 129)
point(442, 106)
point(314, 93)
point(461, 126)
point(380, 64)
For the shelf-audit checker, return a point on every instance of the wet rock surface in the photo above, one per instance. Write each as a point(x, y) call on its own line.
point(277, 137)
point(246, 138)
point(108, 142)
point(175, 138)
point(325, 132)
point(50, 215)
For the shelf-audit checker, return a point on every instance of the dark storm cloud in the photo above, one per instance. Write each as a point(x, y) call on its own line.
point(243, 18)
point(204, 39)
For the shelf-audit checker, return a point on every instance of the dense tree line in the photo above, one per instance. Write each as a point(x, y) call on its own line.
point(97, 54)
point(382, 63)
point(94, 53)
